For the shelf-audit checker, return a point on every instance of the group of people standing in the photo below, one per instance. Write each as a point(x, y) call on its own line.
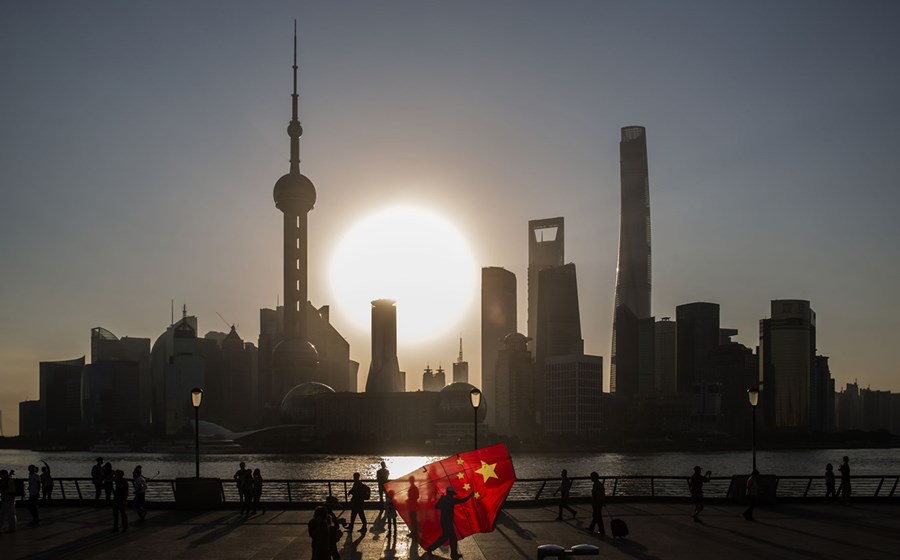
point(250, 486)
point(114, 485)
point(36, 486)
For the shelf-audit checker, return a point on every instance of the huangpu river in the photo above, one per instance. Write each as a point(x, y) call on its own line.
point(527, 465)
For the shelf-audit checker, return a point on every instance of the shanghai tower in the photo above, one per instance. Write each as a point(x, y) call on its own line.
point(294, 359)
point(632, 306)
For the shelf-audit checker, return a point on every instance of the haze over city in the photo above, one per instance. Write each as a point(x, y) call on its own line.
point(140, 144)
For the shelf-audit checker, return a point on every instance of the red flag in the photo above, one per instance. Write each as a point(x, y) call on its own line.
point(486, 473)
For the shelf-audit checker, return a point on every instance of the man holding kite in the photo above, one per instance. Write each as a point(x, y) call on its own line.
point(427, 500)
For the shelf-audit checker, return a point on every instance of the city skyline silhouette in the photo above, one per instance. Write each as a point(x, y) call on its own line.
point(140, 147)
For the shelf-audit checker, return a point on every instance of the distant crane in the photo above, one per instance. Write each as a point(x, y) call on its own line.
point(228, 323)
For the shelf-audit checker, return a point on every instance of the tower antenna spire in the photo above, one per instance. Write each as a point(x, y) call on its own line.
point(294, 129)
point(460, 350)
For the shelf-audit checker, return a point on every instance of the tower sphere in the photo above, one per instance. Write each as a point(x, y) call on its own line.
point(294, 192)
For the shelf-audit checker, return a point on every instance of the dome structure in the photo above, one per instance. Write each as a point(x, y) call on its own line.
point(454, 404)
point(299, 404)
point(515, 341)
point(294, 355)
point(294, 192)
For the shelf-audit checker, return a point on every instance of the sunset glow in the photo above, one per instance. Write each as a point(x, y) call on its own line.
point(409, 254)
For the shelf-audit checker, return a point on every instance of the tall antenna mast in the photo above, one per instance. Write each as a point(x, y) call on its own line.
point(459, 361)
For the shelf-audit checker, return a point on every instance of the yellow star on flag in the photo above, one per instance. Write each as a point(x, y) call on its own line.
point(477, 495)
point(487, 471)
point(460, 475)
point(467, 487)
point(459, 461)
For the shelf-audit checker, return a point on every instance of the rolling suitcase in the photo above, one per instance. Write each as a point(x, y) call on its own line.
point(618, 528)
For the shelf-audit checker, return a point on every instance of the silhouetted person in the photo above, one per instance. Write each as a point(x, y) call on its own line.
point(120, 499)
point(382, 475)
point(598, 500)
point(359, 493)
point(239, 480)
point(845, 480)
point(140, 492)
point(390, 513)
point(696, 485)
point(565, 484)
point(320, 532)
point(331, 504)
point(830, 495)
point(108, 476)
point(46, 481)
point(257, 488)
point(752, 494)
point(445, 506)
point(7, 501)
point(412, 504)
point(97, 479)
point(34, 493)
point(249, 489)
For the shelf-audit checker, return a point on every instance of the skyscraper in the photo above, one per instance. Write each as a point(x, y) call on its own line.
point(558, 317)
point(498, 319)
point(632, 303)
point(461, 368)
point(787, 362)
point(664, 364)
point(384, 372)
point(294, 359)
point(546, 249)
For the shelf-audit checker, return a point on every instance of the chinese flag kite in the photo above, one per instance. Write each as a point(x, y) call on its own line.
point(487, 474)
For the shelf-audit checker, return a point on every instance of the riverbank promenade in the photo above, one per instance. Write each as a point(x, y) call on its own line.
point(658, 530)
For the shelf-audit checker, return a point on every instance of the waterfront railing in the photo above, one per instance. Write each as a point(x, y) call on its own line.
point(525, 491)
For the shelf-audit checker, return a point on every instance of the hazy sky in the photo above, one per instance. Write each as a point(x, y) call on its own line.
point(139, 143)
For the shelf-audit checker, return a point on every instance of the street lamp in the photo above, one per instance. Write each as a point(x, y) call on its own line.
point(753, 397)
point(475, 398)
point(196, 397)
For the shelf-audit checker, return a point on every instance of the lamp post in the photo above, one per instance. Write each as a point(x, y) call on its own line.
point(753, 397)
point(196, 397)
point(475, 398)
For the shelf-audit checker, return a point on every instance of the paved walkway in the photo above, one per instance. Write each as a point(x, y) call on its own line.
point(659, 530)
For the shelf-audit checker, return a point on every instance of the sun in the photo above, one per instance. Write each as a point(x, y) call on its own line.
point(413, 256)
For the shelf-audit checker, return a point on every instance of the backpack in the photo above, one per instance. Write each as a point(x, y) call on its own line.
point(366, 492)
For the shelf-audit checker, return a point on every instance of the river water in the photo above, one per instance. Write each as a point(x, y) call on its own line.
point(527, 465)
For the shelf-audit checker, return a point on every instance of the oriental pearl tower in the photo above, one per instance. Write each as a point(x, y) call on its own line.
point(294, 359)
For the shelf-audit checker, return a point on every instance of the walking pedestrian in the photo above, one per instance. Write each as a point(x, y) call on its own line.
point(565, 485)
point(359, 493)
point(34, 493)
point(829, 483)
point(752, 494)
point(696, 486)
point(598, 500)
point(445, 506)
point(46, 481)
point(120, 499)
point(382, 475)
point(845, 480)
point(140, 492)
point(97, 479)
point(7, 501)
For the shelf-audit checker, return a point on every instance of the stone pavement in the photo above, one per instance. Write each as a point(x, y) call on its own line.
point(659, 530)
